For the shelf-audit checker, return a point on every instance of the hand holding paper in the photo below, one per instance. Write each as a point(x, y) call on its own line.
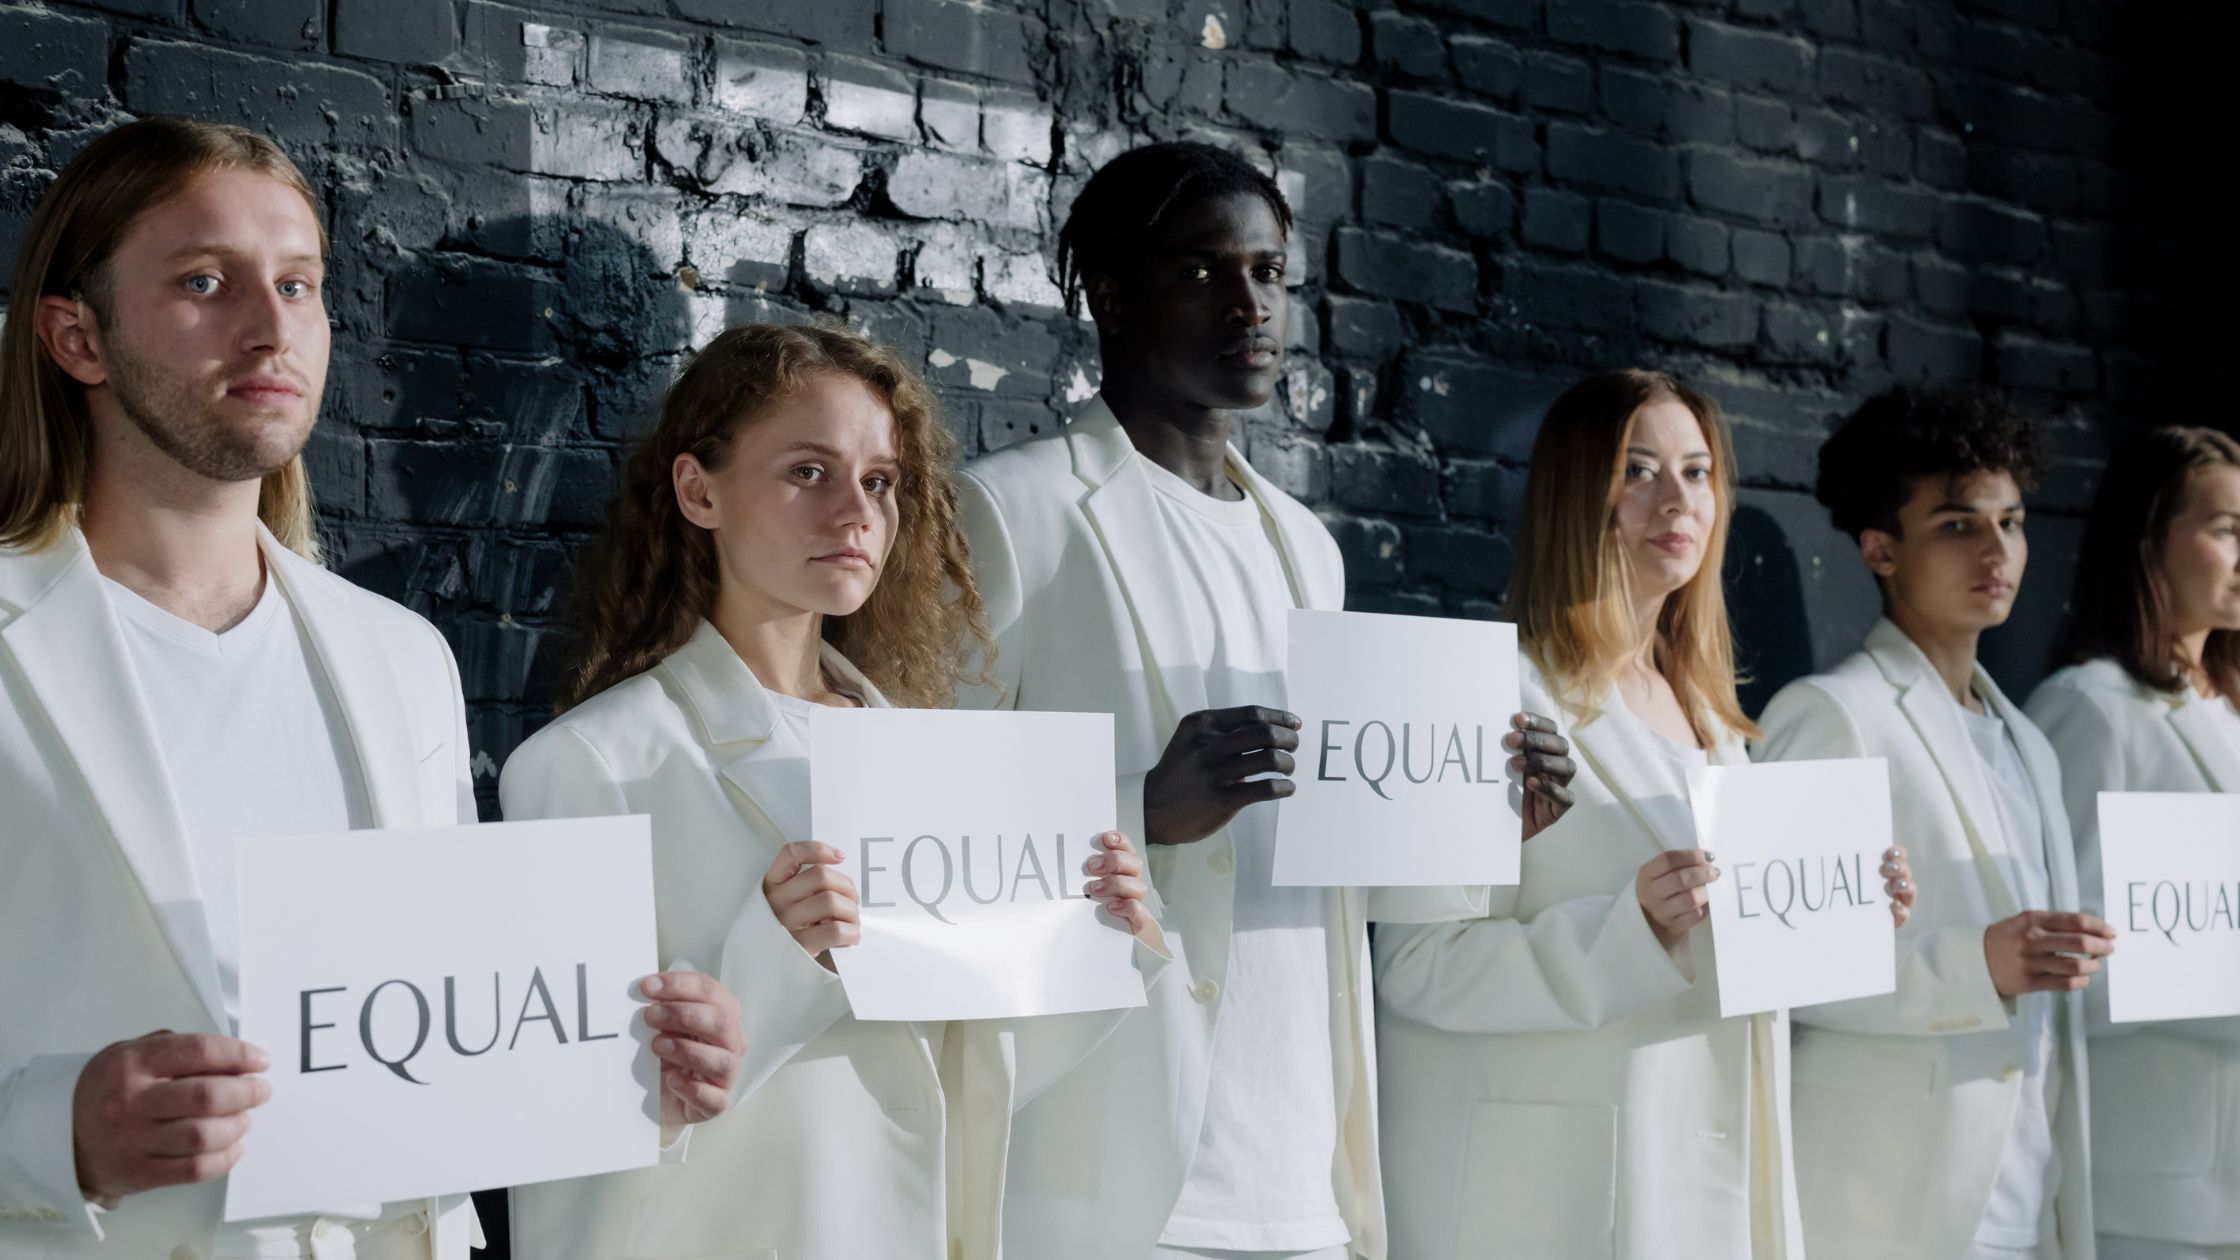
point(813, 899)
point(1206, 775)
point(164, 1110)
point(699, 1044)
point(2051, 951)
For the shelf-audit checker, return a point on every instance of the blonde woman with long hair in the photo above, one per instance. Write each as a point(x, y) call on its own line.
point(1556, 1078)
point(786, 538)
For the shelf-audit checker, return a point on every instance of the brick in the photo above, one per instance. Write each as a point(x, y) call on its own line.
point(1797, 334)
point(1326, 30)
point(408, 32)
point(971, 38)
point(1711, 318)
point(642, 65)
point(1483, 208)
point(1834, 19)
point(1482, 489)
point(1941, 286)
point(1556, 82)
point(294, 24)
point(1398, 193)
point(2028, 363)
point(54, 52)
point(786, 166)
point(745, 251)
point(449, 483)
point(1774, 193)
point(1556, 220)
point(1371, 550)
point(1520, 14)
point(1308, 394)
point(1648, 31)
point(1632, 99)
point(1317, 105)
point(2010, 296)
point(1317, 181)
point(949, 114)
point(1698, 245)
point(866, 97)
point(1612, 161)
point(1971, 230)
point(1627, 232)
point(1460, 558)
point(1409, 270)
point(847, 26)
point(1407, 45)
point(1459, 129)
point(295, 101)
point(850, 258)
point(1015, 127)
point(1558, 295)
point(1469, 405)
point(1940, 160)
point(1780, 64)
point(974, 347)
point(1761, 257)
point(1932, 353)
point(1877, 84)
point(1383, 479)
point(1488, 67)
point(1294, 461)
point(1879, 206)
point(1363, 328)
point(1700, 114)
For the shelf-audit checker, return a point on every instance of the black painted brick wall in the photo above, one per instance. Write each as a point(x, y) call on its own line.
point(537, 208)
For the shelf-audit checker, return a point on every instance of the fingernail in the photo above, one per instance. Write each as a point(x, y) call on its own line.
point(1709, 856)
point(663, 1045)
point(650, 985)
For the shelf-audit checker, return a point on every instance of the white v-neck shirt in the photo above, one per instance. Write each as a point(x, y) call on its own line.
point(1263, 1177)
point(2029, 1176)
point(253, 740)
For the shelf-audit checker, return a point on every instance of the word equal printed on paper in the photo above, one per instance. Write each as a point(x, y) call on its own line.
point(1799, 914)
point(446, 1009)
point(2170, 881)
point(1401, 777)
point(965, 833)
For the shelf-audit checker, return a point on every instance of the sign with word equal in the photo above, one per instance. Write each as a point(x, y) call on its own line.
point(446, 1009)
point(1401, 777)
point(1798, 914)
point(965, 834)
point(2170, 886)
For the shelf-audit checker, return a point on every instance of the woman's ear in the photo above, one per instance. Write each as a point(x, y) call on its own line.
point(696, 491)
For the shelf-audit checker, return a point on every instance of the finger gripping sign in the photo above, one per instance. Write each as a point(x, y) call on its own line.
point(455, 1006)
point(965, 834)
point(1401, 775)
point(1799, 914)
point(2170, 878)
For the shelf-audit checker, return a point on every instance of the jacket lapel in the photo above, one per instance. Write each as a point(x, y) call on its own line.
point(2198, 727)
point(770, 766)
point(71, 654)
point(1622, 758)
point(1123, 508)
point(1936, 721)
point(1312, 586)
point(368, 694)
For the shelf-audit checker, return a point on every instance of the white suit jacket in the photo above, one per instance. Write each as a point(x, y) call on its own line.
point(1904, 1100)
point(1554, 1083)
point(96, 881)
point(849, 1138)
point(1086, 601)
point(2166, 1097)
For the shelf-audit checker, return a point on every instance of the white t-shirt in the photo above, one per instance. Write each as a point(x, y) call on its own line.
point(255, 746)
point(1262, 1177)
point(2030, 1170)
point(2226, 717)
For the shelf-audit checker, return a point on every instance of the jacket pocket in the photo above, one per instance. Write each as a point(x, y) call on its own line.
point(1539, 1180)
point(2155, 1109)
point(1885, 1070)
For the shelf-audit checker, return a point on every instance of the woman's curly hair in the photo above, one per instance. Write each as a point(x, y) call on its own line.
point(1869, 465)
point(645, 586)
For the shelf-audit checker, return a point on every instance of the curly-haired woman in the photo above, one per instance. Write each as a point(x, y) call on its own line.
point(785, 538)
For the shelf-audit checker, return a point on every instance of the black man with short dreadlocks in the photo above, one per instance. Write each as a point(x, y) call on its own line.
point(1134, 563)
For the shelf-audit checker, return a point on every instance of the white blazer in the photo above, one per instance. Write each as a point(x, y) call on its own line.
point(98, 886)
point(1904, 1100)
point(2166, 1097)
point(848, 1137)
point(1085, 599)
point(1554, 1083)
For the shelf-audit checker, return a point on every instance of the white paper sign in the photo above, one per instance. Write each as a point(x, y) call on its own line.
point(2170, 876)
point(965, 833)
point(1798, 914)
point(1401, 776)
point(446, 1009)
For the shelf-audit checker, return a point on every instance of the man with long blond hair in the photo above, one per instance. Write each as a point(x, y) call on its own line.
point(177, 672)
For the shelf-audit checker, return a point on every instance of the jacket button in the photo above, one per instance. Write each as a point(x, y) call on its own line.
point(1221, 863)
point(185, 1252)
point(2010, 1072)
point(1205, 990)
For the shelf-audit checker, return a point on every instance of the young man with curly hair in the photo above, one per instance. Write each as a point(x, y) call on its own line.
point(1947, 1118)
